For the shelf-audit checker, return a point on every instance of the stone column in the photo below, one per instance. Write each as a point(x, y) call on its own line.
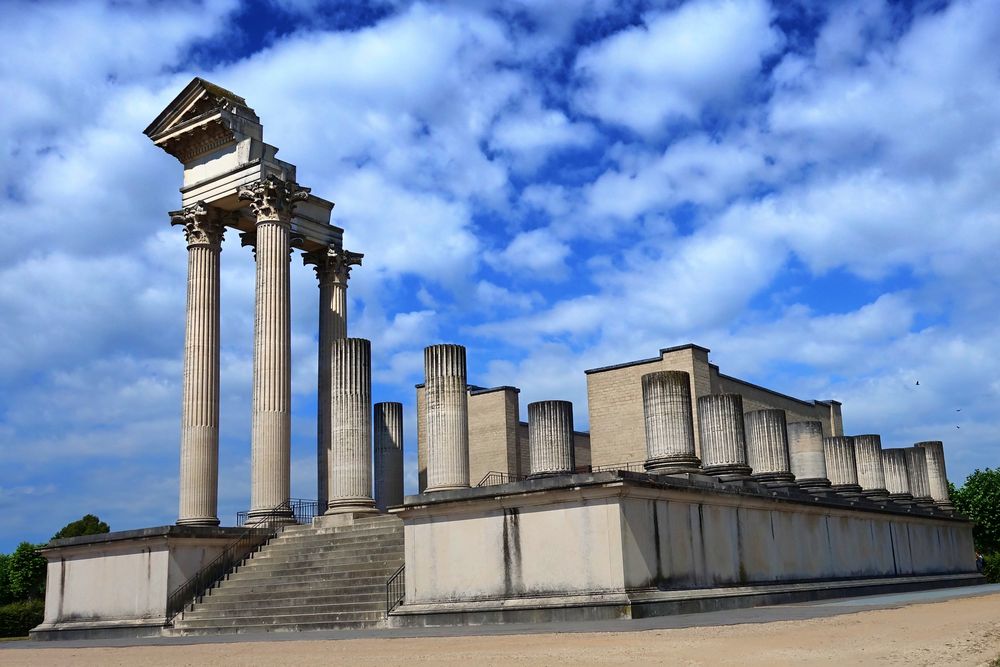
point(199, 475)
point(897, 480)
point(447, 415)
point(388, 455)
point(271, 201)
point(550, 438)
point(871, 474)
point(350, 457)
point(937, 474)
point(666, 405)
point(333, 268)
point(806, 457)
point(723, 444)
point(916, 469)
point(767, 447)
point(841, 467)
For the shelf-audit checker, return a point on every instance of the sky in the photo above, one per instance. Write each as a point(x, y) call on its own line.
point(809, 189)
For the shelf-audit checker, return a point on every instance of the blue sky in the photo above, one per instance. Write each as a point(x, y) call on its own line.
point(809, 189)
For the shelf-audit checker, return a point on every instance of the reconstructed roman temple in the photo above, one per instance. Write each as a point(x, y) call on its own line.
point(692, 491)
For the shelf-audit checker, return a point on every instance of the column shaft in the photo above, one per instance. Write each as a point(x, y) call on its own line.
point(388, 425)
point(550, 438)
point(666, 405)
point(447, 414)
point(897, 480)
point(723, 442)
point(767, 447)
point(841, 467)
point(937, 474)
point(199, 469)
point(350, 470)
point(805, 455)
point(871, 474)
point(916, 468)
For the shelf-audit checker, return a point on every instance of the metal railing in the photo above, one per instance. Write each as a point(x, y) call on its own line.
point(631, 466)
point(395, 589)
point(303, 510)
point(494, 478)
point(257, 534)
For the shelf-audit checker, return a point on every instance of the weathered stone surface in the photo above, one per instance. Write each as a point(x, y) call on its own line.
point(805, 455)
point(199, 471)
point(868, 458)
point(897, 480)
point(723, 444)
point(550, 437)
point(937, 473)
point(350, 455)
point(767, 447)
point(840, 465)
point(388, 426)
point(666, 400)
point(916, 468)
point(447, 416)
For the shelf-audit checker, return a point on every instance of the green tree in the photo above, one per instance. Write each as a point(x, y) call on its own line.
point(5, 595)
point(88, 525)
point(26, 569)
point(979, 499)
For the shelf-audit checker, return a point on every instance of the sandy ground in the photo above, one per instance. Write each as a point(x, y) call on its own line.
point(954, 632)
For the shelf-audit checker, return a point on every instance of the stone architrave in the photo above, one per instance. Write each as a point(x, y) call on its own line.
point(349, 460)
point(897, 480)
point(333, 268)
point(666, 403)
point(199, 470)
point(447, 417)
point(272, 202)
point(767, 447)
point(871, 474)
point(916, 469)
point(723, 442)
point(550, 438)
point(841, 468)
point(388, 427)
point(937, 473)
point(806, 457)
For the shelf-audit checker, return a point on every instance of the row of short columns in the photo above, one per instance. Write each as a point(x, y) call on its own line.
point(760, 445)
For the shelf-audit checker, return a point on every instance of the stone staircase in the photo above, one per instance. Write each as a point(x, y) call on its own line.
point(306, 579)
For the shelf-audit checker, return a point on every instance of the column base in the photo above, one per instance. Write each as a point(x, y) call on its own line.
point(875, 495)
point(946, 507)
point(775, 480)
point(548, 473)
point(814, 484)
point(280, 517)
point(452, 487)
point(351, 506)
point(729, 472)
point(901, 498)
point(673, 465)
point(199, 521)
point(847, 490)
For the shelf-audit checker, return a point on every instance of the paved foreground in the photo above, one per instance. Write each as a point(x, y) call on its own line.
point(954, 627)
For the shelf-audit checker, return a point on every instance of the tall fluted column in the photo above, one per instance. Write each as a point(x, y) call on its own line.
point(333, 268)
point(767, 447)
point(723, 442)
point(897, 480)
point(937, 473)
point(916, 468)
point(388, 455)
point(805, 455)
point(841, 467)
point(666, 405)
point(871, 474)
point(447, 415)
point(550, 438)
point(199, 476)
point(272, 202)
point(349, 460)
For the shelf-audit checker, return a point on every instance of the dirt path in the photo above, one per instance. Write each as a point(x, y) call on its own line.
point(955, 632)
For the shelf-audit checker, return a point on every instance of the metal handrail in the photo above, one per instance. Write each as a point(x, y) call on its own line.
point(395, 589)
point(631, 466)
point(493, 478)
point(303, 509)
point(257, 534)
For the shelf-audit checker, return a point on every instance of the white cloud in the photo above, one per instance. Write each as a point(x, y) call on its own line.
point(536, 252)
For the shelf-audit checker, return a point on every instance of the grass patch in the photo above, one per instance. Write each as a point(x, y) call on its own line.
point(24, 639)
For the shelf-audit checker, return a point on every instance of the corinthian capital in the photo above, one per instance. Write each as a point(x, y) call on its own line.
point(333, 264)
point(272, 199)
point(203, 224)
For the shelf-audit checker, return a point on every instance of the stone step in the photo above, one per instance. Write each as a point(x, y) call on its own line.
point(282, 619)
point(324, 582)
point(347, 528)
point(344, 538)
point(295, 627)
point(269, 601)
point(252, 595)
point(287, 609)
point(321, 550)
point(367, 568)
point(317, 558)
point(316, 564)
